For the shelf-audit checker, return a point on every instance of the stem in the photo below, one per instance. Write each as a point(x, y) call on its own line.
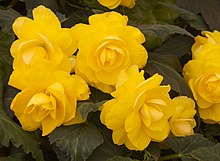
point(168, 157)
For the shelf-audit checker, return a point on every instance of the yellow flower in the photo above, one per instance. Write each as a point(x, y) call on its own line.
point(42, 38)
point(206, 92)
point(140, 110)
point(48, 97)
point(111, 4)
point(203, 75)
point(207, 43)
point(107, 46)
point(182, 121)
point(205, 56)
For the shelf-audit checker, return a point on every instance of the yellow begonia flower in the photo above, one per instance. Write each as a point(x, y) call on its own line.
point(205, 56)
point(182, 121)
point(111, 4)
point(203, 75)
point(48, 97)
point(107, 46)
point(206, 92)
point(205, 44)
point(140, 110)
point(42, 38)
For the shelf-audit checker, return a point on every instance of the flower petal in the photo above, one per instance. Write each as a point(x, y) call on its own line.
point(136, 135)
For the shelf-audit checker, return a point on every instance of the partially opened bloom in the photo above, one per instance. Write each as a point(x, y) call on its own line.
point(203, 44)
point(206, 92)
point(111, 4)
point(205, 55)
point(203, 75)
point(182, 121)
point(106, 46)
point(140, 110)
point(42, 38)
point(48, 97)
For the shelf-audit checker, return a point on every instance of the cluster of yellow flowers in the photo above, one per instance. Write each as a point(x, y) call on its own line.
point(42, 68)
point(142, 111)
point(108, 58)
point(203, 75)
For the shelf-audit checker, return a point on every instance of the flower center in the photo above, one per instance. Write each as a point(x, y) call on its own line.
point(108, 56)
point(148, 107)
point(209, 87)
point(150, 114)
point(33, 50)
point(111, 54)
point(40, 106)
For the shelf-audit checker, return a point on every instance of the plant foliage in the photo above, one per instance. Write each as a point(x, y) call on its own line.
point(169, 27)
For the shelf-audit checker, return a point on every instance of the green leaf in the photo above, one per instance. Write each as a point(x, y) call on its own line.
point(7, 18)
point(108, 149)
point(170, 60)
point(9, 94)
point(156, 35)
point(211, 131)
point(119, 158)
point(6, 59)
point(193, 19)
point(31, 4)
point(97, 96)
point(77, 141)
point(167, 66)
point(151, 12)
point(154, 150)
point(86, 107)
point(5, 42)
point(60, 155)
point(178, 45)
point(207, 153)
point(15, 157)
point(10, 131)
point(183, 146)
point(78, 16)
point(86, 5)
point(209, 10)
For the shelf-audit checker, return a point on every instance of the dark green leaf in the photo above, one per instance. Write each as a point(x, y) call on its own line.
point(154, 150)
point(31, 4)
point(97, 96)
point(189, 5)
point(156, 35)
point(151, 12)
point(119, 158)
point(185, 145)
point(15, 157)
point(165, 66)
point(193, 19)
point(6, 59)
point(9, 94)
point(178, 45)
point(60, 155)
point(86, 107)
point(85, 4)
point(5, 42)
point(169, 60)
point(209, 10)
point(207, 153)
point(10, 131)
point(211, 131)
point(108, 149)
point(78, 16)
point(7, 18)
point(77, 141)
